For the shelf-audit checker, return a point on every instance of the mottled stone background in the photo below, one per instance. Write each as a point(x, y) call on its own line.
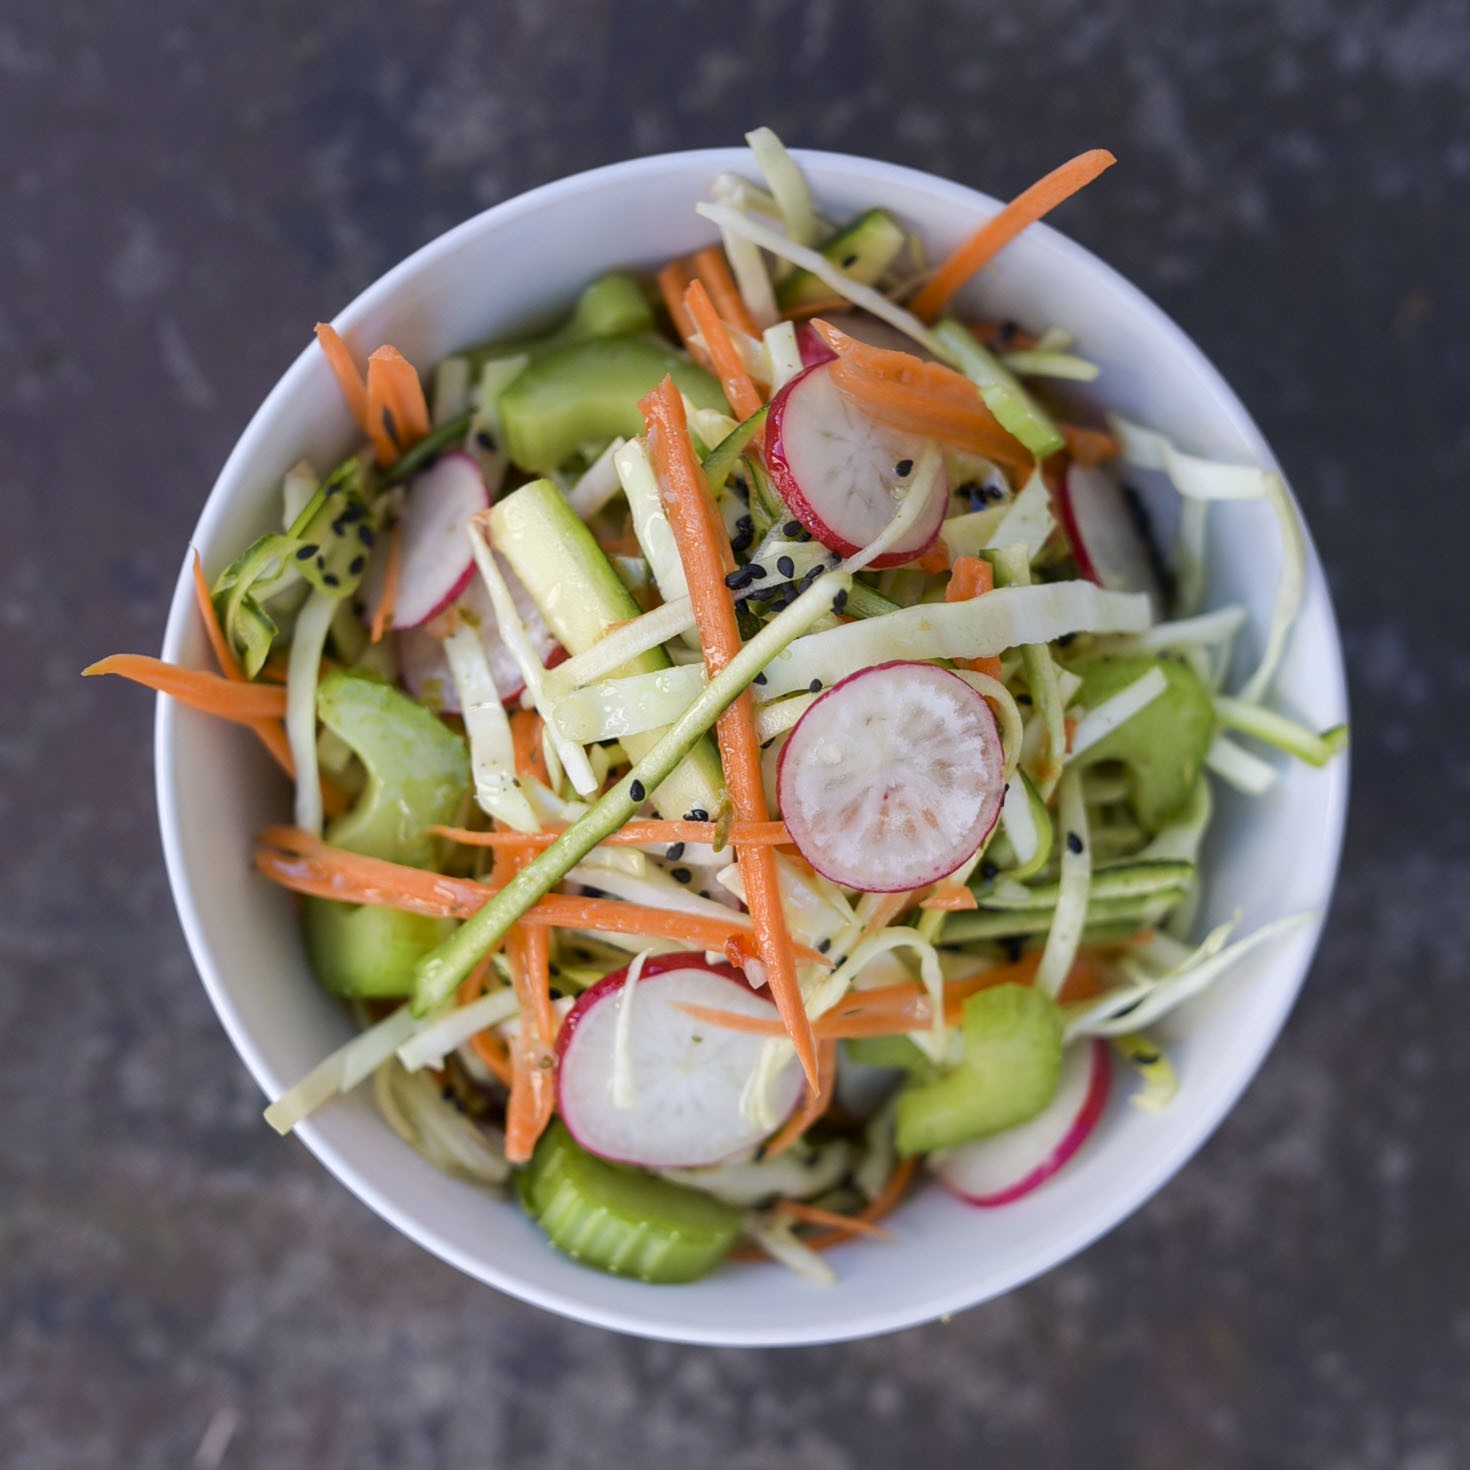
point(186, 188)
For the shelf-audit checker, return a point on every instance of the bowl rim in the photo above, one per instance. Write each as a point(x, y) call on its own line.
point(1058, 1247)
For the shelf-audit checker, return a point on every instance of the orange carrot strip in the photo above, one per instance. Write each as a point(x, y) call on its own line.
point(814, 1105)
point(711, 268)
point(1002, 227)
point(230, 699)
point(532, 1086)
point(704, 550)
point(807, 1214)
point(972, 576)
point(898, 1185)
point(398, 413)
point(951, 897)
point(630, 834)
point(346, 372)
point(388, 597)
point(1088, 446)
point(887, 908)
point(673, 281)
point(530, 757)
point(1002, 336)
point(739, 389)
point(306, 864)
point(489, 1045)
point(223, 655)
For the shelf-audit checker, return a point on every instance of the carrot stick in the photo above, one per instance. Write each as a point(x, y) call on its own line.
point(711, 268)
point(346, 372)
point(230, 699)
point(1088, 446)
point(630, 834)
point(806, 1214)
point(223, 654)
point(897, 1186)
point(1002, 336)
point(532, 1086)
point(388, 598)
point(530, 758)
point(1002, 227)
point(950, 897)
point(398, 415)
point(673, 281)
point(704, 550)
point(815, 1104)
point(739, 389)
point(305, 864)
point(972, 576)
point(491, 1049)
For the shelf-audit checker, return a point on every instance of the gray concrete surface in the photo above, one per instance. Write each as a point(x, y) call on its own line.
point(186, 188)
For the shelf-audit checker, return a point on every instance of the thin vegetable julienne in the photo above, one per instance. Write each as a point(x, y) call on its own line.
point(739, 389)
point(704, 549)
point(711, 268)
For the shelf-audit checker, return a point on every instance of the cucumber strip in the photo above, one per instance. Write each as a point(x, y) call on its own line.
point(1098, 723)
point(864, 602)
point(723, 458)
point(1237, 767)
point(613, 709)
point(787, 184)
point(1073, 889)
point(307, 645)
point(1266, 725)
point(1127, 880)
point(1125, 915)
point(1013, 570)
point(440, 972)
point(1037, 364)
point(866, 297)
point(863, 250)
point(650, 523)
point(451, 396)
point(1014, 408)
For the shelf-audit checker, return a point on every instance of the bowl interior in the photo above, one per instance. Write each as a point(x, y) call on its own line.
point(518, 263)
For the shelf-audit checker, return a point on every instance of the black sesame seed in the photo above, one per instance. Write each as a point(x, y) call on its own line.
point(790, 529)
point(742, 577)
point(989, 872)
point(1146, 1057)
point(1023, 699)
point(1013, 950)
point(1066, 640)
point(810, 577)
point(365, 535)
point(675, 851)
point(840, 601)
point(696, 814)
point(815, 686)
point(757, 571)
point(356, 565)
point(352, 513)
point(331, 579)
point(339, 526)
point(903, 467)
point(321, 563)
point(359, 607)
point(486, 440)
point(636, 791)
point(1008, 330)
point(307, 552)
point(848, 261)
point(681, 875)
point(1074, 842)
point(824, 946)
point(786, 566)
point(760, 678)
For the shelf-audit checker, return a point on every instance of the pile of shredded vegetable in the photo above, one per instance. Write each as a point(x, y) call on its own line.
point(486, 826)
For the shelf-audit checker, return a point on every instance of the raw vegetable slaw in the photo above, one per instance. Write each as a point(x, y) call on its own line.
point(745, 745)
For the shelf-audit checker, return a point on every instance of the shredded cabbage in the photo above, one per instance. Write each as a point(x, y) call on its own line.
point(1019, 821)
point(917, 503)
point(1099, 723)
point(803, 1171)
point(784, 353)
point(971, 533)
point(650, 524)
point(777, 1237)
point(1070, 916)
point(1034, 363)
point(451, 390)
point(614, 708)
point(787, 185)
point(431, 1043)
point(746, 263)
point(1007, 714)
point(623, 1084)
point(1028, 521)
point(622, 644)
point(598, 484)
point(411, 1104)
point(307, 644)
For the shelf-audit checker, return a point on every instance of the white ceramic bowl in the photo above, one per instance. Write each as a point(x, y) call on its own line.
point(499, 272)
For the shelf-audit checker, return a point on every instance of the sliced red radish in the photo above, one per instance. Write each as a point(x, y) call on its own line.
point(996, 1170)
point(1106, 541)
point(856, 324)
point(892, 778)
point(837, 469)
point(425, 670)
point(435, 561)
point(687, 1077)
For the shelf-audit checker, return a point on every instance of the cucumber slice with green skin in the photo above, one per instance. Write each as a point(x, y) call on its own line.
point(863, 248)
point(1012, 1064)
point(1015, 409)
point(367, 952)
point(894, 1052)
point(723, 458)
point(1163, 746)
point(588, 393)
point(614, 305)
point(620, 1220)
point(581, 596)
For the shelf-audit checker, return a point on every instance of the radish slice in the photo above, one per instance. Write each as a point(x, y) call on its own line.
point(837, 469)
point(1105, 539)
point(435, 562)
point(425, 670)
point(892, 778)
point(687, 1076)
point(996, 1170)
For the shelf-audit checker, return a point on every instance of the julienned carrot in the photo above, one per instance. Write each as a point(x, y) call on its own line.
point(1003, 336)
point(711, 267)
point(1002, 227)
point(739, 389)
point(530, 756)
point(805, 1214)
point(305, 864)
point(1088, 446)
point(673, 282)
point(223, 655)
point(230, 699)
point(949, 897)
point(630, 834)
point(972, 576)
point(346, 372)
point(397, 412)
point(489, 1044)
point(532, 1086)
point(704, 550)
point(814, 1105)
point(897, 1186)
point(388, 597)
